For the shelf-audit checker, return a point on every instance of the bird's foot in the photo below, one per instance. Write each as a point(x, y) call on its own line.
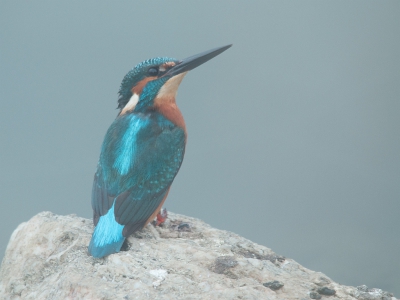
point(125, 246)
point(161, 216)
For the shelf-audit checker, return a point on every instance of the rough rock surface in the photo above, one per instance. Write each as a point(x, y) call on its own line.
point(185, 258)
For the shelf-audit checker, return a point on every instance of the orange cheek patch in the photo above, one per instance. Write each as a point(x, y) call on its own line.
point(138, 88)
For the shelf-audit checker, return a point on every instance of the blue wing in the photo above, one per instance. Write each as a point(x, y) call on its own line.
point(140, 157)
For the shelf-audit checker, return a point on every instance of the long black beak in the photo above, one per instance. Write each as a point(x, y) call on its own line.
point(194, 61)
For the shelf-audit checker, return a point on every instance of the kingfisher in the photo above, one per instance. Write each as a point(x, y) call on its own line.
point(142, 151)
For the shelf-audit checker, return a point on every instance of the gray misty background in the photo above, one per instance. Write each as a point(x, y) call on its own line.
point(293, 132)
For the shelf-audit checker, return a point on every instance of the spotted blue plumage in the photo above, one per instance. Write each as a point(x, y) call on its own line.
point(140, 157)
point(125, 158)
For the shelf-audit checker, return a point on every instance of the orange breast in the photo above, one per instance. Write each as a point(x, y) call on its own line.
point(170, 110)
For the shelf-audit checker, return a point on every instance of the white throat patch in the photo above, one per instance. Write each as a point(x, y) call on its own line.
point(170, 88)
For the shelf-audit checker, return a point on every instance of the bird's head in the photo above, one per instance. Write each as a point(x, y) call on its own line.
point(157, 80)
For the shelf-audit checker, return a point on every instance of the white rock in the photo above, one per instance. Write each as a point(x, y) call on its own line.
point(47, 258)
point(159, 273)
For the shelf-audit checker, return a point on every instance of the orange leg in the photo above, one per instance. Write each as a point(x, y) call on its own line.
point(157, 211)
point(162, 216)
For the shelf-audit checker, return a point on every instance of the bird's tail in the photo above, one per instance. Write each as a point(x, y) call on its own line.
point(107, 237)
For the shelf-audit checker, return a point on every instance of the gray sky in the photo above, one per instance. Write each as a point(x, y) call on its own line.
point(293, 132)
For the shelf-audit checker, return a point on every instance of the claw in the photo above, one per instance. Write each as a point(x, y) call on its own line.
point(161, 216)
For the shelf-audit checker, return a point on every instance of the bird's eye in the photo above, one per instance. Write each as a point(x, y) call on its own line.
point(153, 71)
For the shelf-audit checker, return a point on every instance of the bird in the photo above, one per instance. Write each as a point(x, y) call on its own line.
point(142, 151)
